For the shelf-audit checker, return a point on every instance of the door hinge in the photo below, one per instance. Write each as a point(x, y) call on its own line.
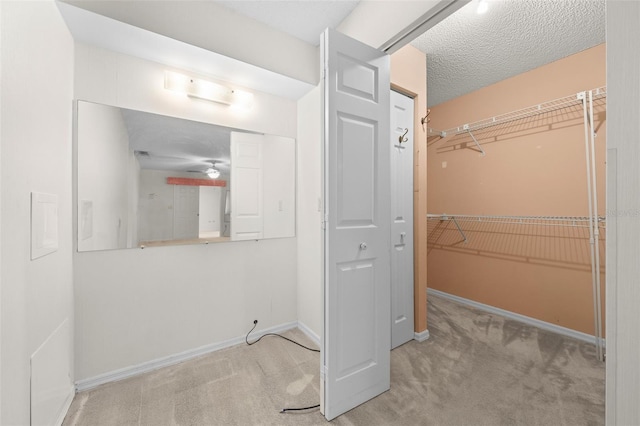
point(323, 372)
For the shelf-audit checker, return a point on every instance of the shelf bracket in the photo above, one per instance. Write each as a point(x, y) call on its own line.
point(475, 140)
point(445, 217)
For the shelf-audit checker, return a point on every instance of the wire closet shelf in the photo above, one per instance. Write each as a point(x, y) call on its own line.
point(593, 223)
point(572, 221)
point(531, 221)
point(545, 107)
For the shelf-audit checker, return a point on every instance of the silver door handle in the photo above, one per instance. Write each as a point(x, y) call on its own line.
point(402, 235)
point(363, 246)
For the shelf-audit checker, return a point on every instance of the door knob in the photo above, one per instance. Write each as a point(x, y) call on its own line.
point(363, 246)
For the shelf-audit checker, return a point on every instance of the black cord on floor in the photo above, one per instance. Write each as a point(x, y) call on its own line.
point(246, 339)
point(284, 410)
point(255, 323)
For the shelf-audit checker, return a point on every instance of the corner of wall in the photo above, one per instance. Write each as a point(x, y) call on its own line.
point(309, 211)
point(37, 295)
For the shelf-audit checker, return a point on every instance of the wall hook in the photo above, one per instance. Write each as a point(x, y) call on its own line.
point(402, 138)
point(426, 118)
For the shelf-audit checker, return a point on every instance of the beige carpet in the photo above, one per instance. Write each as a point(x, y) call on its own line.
point(476, 369)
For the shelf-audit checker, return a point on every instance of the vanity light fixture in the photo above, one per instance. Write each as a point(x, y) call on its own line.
point(207, 90)
point(242, 100)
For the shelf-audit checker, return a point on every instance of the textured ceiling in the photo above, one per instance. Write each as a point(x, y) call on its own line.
point(467, 51)
point(305, 20)
point(177, 144)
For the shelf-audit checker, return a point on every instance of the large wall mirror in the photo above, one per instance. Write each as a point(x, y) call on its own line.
point(147, 180)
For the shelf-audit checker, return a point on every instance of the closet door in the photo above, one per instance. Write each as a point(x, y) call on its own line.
point(401, 219)
point(355, 345)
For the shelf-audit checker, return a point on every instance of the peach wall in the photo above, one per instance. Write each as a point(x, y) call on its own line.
point(409, 76)
point(534, 166)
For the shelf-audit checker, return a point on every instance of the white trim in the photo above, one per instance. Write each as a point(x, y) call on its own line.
point(310, 333)
point(145, 367)
point(422, 336)
point(65, 407)
point(518, 317)
point(436, 14)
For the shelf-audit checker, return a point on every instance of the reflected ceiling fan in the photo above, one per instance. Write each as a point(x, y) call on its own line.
point(213, 173)
point(211, 170)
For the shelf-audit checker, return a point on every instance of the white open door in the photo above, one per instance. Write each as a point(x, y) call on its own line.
point(355, 343)
point(247, 219)
point(401, 219)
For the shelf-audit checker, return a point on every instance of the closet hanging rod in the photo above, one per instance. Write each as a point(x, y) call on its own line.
point(545, 107)
point(565, 221)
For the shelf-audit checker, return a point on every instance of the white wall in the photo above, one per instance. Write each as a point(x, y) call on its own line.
point(309, 225)
point(36, 140)
point(134, 306)
point(213, 27)
point(279, 186)
point(103, 155)
point(1, 139)
point(137, 305)
point(114, 79)
point(623, 213)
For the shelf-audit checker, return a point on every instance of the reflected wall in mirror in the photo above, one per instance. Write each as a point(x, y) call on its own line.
point(146, 180)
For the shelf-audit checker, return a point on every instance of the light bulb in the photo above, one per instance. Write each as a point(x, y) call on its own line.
point(483, 6)
point(241, 100)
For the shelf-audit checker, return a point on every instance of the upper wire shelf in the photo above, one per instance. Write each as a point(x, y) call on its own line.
point(549, 106)
point(535, 221)
point(572, 221)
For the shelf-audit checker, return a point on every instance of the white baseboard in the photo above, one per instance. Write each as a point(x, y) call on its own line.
point(310, 333)
point(518, 317)
point(422, 336)
point(65, 407)
point(145, 367)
